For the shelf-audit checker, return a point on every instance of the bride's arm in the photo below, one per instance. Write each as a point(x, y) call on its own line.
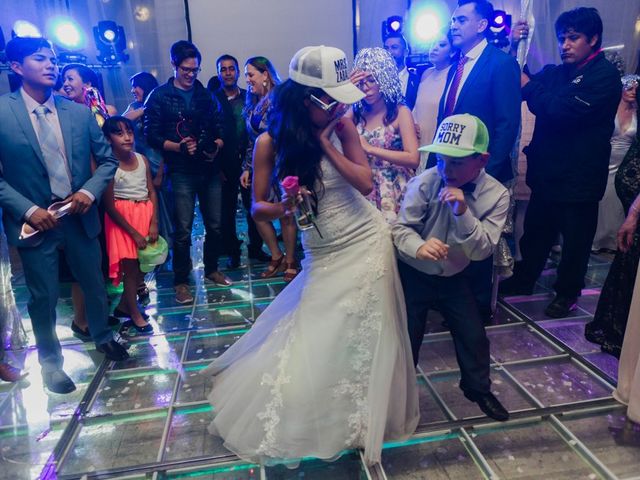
point(352, 164)
point(263, 163)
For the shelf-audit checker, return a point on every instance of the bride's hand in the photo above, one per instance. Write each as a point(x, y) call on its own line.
point(289, 203)
point(334, 124)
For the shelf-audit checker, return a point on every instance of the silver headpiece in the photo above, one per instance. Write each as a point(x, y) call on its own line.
point(629, 81)
point(380, 64)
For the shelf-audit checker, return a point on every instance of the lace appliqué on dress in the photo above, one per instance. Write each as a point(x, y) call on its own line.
point(363, 340)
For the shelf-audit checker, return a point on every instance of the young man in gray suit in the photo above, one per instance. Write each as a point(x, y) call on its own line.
point(46, 144)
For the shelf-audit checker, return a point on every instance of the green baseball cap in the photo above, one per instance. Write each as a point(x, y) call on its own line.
point(459, 136)
point(154, 254)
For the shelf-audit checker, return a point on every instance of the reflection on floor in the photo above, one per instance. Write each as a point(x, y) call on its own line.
point(147, 418)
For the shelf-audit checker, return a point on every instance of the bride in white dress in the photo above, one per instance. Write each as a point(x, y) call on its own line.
point(327, 366)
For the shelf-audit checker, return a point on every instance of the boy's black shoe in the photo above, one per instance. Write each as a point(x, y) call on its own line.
point(489, 405)
point(561, 306)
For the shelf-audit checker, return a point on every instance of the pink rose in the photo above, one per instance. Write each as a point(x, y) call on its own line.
point(290, 186)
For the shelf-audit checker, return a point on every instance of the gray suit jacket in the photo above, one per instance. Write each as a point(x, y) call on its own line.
point(24, 181)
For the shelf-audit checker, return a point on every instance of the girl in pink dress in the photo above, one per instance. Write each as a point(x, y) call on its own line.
point(130, 222)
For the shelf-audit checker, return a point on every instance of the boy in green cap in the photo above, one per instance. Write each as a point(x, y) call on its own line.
point(452, 214)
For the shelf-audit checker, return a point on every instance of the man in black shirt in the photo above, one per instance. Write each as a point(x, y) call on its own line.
point(232, 101)
point(567, 160)
point(182, 119)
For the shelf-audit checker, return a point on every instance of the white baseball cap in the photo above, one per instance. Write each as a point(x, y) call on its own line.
point(325, 68)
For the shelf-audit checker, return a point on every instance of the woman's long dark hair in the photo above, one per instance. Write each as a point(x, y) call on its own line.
point(391, 112)
point(145, 81)
point(298, 151)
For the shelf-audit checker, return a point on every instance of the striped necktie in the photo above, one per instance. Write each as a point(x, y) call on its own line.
point(54, 160)
point(453, 89)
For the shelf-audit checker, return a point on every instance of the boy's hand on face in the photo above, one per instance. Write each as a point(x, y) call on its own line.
point(455, 198)
point(433, 249)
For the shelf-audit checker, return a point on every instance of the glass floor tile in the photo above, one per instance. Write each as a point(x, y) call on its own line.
point(556, 382)
point(116, 442)
point(613, 439)
point(530, 451)
point(440, 457)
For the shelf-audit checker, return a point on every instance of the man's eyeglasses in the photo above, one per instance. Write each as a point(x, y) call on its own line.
point(329, 108)
point(186, 70)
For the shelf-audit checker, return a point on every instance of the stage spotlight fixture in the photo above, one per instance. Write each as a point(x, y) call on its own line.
point(392, 24)
point(425, 21)
point(111, 42)
point(24, 28)
point(67, 34)
point(68, 39)
point(426, 26)
point(499, 28)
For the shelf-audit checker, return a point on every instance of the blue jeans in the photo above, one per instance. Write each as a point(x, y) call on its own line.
point(208, 189)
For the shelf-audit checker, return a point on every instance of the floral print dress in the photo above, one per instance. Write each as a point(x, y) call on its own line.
point(389, 180)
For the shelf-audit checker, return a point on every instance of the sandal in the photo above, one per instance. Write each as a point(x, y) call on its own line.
point(291, 271)
point(275, 266)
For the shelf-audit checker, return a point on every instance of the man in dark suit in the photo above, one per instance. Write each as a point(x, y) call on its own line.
point(46, 144)
point(488, 85)
point(485, 83)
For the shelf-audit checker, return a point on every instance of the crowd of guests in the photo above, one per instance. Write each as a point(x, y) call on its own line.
point(432, 153)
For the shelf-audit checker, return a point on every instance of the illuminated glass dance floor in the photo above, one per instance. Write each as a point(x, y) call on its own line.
point(147, 418)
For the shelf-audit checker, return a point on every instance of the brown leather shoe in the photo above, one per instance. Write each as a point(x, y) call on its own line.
point(219, 279)
point(9, 373)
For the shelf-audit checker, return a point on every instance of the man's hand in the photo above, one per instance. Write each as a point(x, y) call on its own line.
point(188, 146)
point(80, 203)
point(520, 31)
point(42, 220)
point(455, 198)
point(524, 79)
point(433, 249)
point(245, 179)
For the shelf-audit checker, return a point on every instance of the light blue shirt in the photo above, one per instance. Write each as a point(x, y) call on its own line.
point(54, 121)
point(470, 236)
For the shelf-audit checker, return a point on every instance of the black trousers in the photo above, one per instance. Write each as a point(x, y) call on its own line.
point(231, 243)
point(544, 220)
point(453, 298)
